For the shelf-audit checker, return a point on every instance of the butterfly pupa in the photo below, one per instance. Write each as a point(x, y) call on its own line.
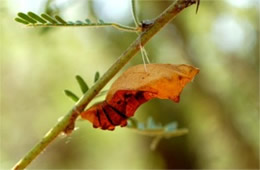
point(135, 87)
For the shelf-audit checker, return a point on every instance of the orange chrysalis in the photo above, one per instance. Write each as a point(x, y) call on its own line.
point(135, 87)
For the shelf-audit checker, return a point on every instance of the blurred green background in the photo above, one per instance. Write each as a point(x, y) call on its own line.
point(220, 108)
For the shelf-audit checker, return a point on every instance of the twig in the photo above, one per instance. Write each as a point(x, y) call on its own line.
point(137, 23)
point(71, 116)
point(114, 25)
point(161, 132)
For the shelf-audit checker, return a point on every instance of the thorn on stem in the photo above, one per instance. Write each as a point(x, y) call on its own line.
point(198, 4)
point(97, 75)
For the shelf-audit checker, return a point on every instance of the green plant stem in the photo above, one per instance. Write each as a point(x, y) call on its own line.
point(71, 116)
point(137, 23)
point(161, 132)
point(115, 25)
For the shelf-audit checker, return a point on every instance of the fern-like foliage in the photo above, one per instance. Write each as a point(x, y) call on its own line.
point(83, 87)
point(156, 130)
point(45, 20)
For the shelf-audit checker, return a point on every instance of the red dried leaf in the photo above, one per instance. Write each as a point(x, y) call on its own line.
point(135, 87)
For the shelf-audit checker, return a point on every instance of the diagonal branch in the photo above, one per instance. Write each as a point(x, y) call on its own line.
point(67, 122)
